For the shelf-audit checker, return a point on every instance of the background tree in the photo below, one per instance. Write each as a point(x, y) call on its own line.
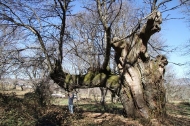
point(10, 55)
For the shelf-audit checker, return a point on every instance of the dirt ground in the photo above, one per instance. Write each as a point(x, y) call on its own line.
point(108, 119)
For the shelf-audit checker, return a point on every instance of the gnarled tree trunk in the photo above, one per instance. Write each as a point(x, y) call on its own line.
point(142, 94)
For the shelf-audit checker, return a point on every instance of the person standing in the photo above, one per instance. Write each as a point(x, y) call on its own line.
point(70, 102)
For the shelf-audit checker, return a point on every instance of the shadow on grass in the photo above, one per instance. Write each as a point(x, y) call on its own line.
point(184, 108)
point(176, 121)
point(99, 108)
point(178, 114)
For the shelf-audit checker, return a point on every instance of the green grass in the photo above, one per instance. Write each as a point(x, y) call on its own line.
point(99, 108)
point(90, 106)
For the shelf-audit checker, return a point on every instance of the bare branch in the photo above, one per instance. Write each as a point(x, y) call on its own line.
point(173, 8)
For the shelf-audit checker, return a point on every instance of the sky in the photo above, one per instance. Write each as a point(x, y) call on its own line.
point(176, 33)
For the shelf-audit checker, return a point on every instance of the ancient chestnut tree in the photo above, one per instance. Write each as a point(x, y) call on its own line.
point(46, 28)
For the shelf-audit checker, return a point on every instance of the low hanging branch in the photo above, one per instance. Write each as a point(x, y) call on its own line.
point(93, 78)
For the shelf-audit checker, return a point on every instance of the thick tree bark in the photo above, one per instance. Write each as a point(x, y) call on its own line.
point(143, 93)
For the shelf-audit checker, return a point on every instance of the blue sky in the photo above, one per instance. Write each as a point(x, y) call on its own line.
point(176, 33)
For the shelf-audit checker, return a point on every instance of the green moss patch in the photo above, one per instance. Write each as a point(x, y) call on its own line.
point(67, 79)
point(88, 78)
point(113, 81)
point(71, 79)
point(99, 78)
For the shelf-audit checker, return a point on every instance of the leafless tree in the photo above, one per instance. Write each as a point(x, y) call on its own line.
point(9, 54)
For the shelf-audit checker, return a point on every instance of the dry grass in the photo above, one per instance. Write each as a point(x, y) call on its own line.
point(16, 92)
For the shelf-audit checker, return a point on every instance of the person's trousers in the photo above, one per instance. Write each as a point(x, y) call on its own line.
point(71, 109)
